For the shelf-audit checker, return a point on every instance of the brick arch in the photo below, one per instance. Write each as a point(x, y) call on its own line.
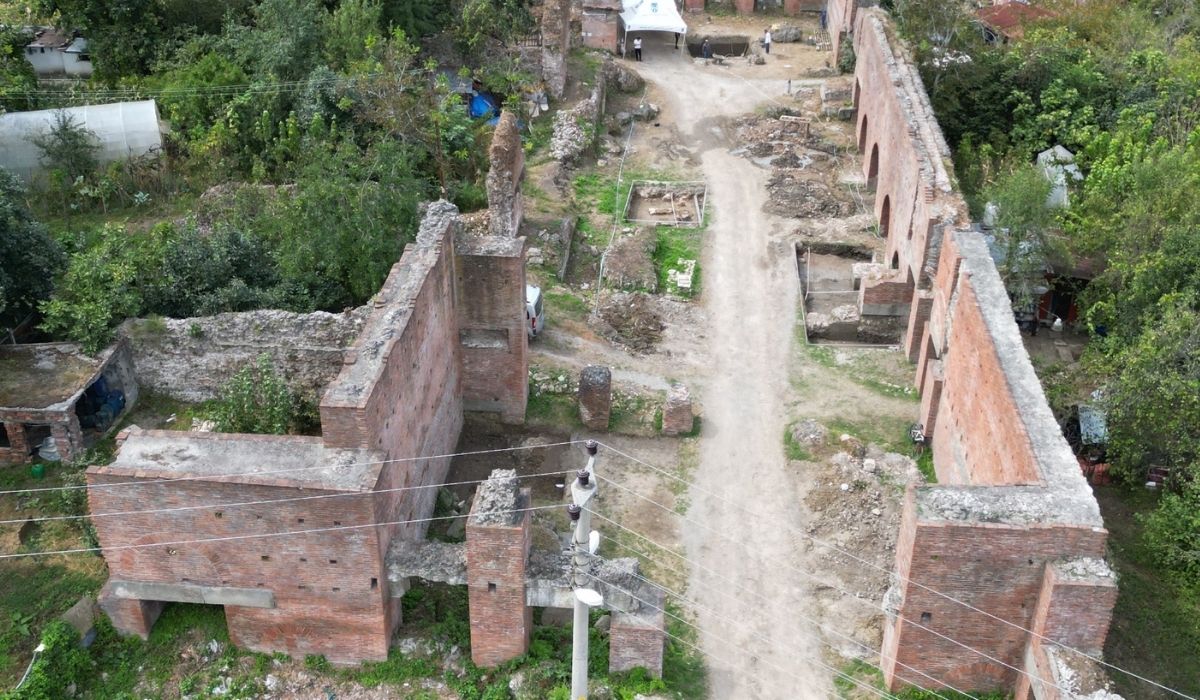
point(857, 92)
point(862, 130)
point(885, 215)
point(896, 260)
point(873, 163)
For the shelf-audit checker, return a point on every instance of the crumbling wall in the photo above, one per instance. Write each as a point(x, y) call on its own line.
point(1011, 508)
point(319, 593)
point(191, 358)
point(497, 553)
point(506, 165)
point(556, 42)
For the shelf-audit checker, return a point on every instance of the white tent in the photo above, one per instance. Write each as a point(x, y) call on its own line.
point(122, 130)
point(652, 16)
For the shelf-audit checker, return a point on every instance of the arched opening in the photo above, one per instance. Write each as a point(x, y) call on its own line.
point(862, 134)
point(857, 90)
point(873, 166)
point(896, 260)
point(885, 215)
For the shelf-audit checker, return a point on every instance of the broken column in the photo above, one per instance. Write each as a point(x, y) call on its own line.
point(636, 638)
point(498, 539)
point(677, 411)
point(556, 42)
point(506, 163)
point(595, 396)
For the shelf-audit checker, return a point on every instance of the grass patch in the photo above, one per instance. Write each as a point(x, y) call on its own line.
point(673, 245)
point(153, 410)
point(868, 368)
point(1155, 628)
point(925, 465)
point(584, 65)
point(565, 305)
point(890, 433)
point(600, 193)
point(556, 410)
point(794, 450)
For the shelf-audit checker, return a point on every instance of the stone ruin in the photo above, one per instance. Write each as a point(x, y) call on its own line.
point(444, 335)
point(1011, 533)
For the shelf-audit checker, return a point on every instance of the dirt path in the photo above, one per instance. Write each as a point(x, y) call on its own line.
point(750, 295)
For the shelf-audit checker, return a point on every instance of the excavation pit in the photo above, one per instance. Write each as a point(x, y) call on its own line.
point(678, 204)
point(724, 45)
point(830, 284)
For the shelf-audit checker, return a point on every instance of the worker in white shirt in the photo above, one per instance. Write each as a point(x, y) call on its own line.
point(767, 40)
point(637, 49)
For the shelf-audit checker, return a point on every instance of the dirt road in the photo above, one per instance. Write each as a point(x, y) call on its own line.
point(754, 649)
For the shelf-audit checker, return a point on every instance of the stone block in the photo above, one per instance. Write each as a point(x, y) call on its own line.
point(82, 616)
point(595, 396)
point(677, 411)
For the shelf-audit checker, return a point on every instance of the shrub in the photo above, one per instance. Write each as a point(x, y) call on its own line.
point(57, 667)
point(257, 400)
point(1173, 532)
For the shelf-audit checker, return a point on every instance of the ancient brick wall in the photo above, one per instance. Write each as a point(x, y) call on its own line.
point(400, 388)
point(497, 552)
point(327, 586)
point(1011, 505)
point(191, 358)
point(996, 567)
point(493, 341)
point(599, 21)
point(506, 165)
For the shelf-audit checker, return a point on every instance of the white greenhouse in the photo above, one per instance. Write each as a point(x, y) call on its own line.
point(121, 130)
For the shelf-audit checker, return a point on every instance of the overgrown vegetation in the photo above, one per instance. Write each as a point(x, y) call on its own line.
point(859, 679)
point(1115, 83)
point(257, 400)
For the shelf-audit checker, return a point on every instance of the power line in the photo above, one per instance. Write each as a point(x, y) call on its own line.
point(696, 627)
point(343, 494)
point(839, 588)
point(227, 477)
point(872, 565)
point(761, 597)
point(263, 535)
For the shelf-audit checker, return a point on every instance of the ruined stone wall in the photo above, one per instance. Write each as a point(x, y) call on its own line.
point(995, 567)
point(556, 42)
point(191, 358)
point(600, 20)
point(506, 165)
point(497, 553)
point(327, 586)
point(1011, 504)
point(905, 154)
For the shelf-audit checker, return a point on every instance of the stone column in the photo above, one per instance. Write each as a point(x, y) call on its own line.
point(595, 396)
point(497, 551)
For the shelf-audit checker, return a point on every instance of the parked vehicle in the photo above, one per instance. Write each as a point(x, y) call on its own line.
point(534, 315)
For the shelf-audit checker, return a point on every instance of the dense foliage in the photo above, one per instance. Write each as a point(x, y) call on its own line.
point(1116, 83)
point(29, 257)
point(321, 124)
point(56, 669)
point(257, 400)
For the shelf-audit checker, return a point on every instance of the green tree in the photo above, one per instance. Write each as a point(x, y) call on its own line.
point(417, 18)
point(29, 257)
point(68, 147)
point(349, 30)
point(283, 41)
point(16, 74)
point(1173, 532)
point(103, 285)
point(257, 400)
point(1023, 229)
point(492, 20)
point(124, 36)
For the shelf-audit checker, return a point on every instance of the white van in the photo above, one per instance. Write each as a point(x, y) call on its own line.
point(533, 311)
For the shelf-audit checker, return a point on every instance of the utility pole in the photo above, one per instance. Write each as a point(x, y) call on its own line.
point(583, 490)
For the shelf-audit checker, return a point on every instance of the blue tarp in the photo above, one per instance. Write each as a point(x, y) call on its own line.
point(483, 105)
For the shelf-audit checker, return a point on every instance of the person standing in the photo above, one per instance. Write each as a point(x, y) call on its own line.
point(637, 48)
point(676, 40)
point(767, 40)
point(706, 50)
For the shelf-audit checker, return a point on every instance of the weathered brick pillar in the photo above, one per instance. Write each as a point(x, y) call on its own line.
point(18, 443)
point(677, 411)
point(497, 552)
point(744, 7)
point(791, 7)
point(595, 396)
point(636, 639)
point(693, 5)
point(129, 616)
point(68, 437)
point(918, 317)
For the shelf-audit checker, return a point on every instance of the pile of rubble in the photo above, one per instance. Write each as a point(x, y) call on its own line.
point(794, 195)
point(630, 319)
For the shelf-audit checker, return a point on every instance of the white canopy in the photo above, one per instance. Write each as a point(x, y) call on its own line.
point(652, 16)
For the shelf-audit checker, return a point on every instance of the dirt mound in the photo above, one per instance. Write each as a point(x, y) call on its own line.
point(630, 262)
point(631, 320)
point(802, 198)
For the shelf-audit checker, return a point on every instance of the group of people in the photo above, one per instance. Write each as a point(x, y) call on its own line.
point(705, 48)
